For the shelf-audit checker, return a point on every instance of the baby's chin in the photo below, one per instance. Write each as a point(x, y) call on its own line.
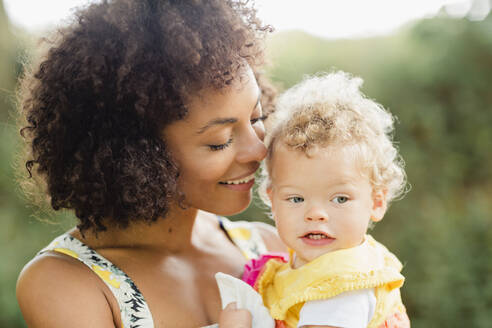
point(302, 257)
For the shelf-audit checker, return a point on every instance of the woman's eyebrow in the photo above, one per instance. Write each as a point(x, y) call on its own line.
point(217, 121)
point(226, 120)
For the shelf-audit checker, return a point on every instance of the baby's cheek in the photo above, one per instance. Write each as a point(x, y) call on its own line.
point(285, 233)
point(352, 233)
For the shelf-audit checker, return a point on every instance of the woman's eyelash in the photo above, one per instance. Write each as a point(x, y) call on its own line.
point(229, 142)
point(260, 118)
point(221, 146)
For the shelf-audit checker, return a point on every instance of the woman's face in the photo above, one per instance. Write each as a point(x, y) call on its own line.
point(218, 147)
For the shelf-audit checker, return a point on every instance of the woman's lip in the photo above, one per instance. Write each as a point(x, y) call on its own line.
point(240, 187)
point(241, 176)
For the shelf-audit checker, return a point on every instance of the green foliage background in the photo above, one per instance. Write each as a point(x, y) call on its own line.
point(435, 75)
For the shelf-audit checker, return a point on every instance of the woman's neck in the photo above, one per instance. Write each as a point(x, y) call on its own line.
point(173, 234)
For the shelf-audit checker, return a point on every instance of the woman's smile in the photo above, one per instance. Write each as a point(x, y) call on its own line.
point(242, 183)
point(243, 186)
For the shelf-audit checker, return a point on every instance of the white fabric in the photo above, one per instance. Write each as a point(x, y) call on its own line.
point(235, 290)
point(347, 310)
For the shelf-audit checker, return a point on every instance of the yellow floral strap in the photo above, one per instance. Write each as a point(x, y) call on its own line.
point(245, 236)
point(133, 308)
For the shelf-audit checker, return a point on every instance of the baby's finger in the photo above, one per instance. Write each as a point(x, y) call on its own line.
point(244, 316)
point(232, 317)
point(231, 306)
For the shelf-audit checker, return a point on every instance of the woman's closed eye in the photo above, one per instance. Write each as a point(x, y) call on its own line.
point(340, 199)
point(220, 146)
point(216, 147)
point(258, 119)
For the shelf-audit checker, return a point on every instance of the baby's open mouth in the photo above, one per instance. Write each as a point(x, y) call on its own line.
point(317, 236)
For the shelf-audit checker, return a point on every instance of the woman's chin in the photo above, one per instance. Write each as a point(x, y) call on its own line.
point(233, 206)
point(223, 201)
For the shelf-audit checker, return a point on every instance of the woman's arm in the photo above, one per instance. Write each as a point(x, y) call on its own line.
point(57, 291)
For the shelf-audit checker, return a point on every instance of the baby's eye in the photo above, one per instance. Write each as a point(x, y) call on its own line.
point(340, 199)
point(295, 199)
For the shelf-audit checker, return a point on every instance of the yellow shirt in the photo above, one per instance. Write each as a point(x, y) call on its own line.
point(370, 265)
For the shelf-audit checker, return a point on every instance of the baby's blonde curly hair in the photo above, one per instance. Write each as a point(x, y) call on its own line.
point(329, 109)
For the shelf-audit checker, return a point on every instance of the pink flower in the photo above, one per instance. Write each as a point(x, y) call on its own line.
point(254, 267)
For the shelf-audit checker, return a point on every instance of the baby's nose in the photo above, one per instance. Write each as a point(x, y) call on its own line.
point(316, 214)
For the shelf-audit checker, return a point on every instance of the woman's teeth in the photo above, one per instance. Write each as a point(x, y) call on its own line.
point(239, 181)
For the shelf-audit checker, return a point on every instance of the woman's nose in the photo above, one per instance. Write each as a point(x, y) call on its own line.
point(252, 148)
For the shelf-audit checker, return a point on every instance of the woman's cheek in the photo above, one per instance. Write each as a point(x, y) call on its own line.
point(213, 166)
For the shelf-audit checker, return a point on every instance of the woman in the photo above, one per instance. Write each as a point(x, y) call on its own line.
point(144, 118)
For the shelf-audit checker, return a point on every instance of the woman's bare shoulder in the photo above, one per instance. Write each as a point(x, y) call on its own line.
point(54, 290)
point(270, 237)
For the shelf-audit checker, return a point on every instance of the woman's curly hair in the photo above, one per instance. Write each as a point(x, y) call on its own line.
point(95, 107)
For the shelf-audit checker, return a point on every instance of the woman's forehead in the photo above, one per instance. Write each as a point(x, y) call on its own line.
point(214, 109)
point(232, 101)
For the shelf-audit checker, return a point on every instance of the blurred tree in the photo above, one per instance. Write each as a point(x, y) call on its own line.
point(439, 91)
point(7, 53)
point(435, 75)
point(21, 235)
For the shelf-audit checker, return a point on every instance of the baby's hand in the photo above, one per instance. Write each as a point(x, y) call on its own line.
point(231, 317)
point(397, 320)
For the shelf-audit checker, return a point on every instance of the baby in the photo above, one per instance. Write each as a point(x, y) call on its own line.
point(331, 169)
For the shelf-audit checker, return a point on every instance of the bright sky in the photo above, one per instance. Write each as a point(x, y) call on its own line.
point(325, 18)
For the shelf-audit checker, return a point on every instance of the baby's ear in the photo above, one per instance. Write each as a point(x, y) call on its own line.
point(269, 192)
point(379, 204)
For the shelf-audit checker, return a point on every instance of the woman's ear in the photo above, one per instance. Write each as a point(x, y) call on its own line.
point(379, 205)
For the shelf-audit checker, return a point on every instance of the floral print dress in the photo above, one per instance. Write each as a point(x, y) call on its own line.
point(135, 312)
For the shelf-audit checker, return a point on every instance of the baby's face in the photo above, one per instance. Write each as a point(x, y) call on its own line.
point(321, 203)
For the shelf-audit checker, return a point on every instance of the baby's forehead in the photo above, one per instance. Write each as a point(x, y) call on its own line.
point(347, 157)
point(327, 150)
